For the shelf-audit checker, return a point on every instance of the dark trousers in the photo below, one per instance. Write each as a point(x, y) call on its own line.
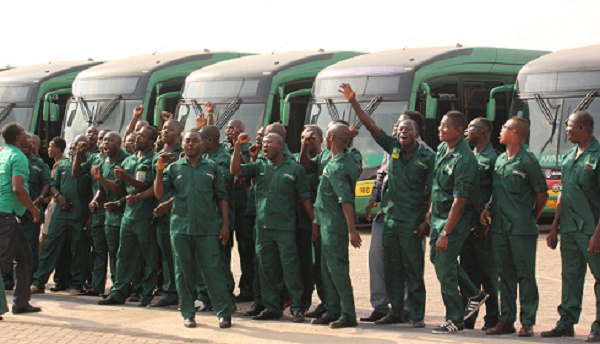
point(15, 248)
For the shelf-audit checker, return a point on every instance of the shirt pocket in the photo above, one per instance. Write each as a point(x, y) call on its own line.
point(515, 183)
point(446, 176)
point(586, 176)
point(285, 183)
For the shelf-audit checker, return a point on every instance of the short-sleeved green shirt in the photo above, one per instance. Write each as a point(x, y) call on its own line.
point(516, 183)
point(403, 199)
point(304, 221)
point(78, 191)
point(486, 160)
point(455, 176)
point(278, 187)
point(96, 159)
point(197, 190)
point(12, 163)
point(141, 170)
point(318, 163)
point(223, 159)
point(39, 175)
point(580, 195)
point(337, 185)
point(177, 150)
point(107, 169)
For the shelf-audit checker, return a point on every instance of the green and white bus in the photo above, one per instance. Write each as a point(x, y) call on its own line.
point(433, 81)
point(548, 90)
point(258, 90)
point(107, 94)
point(36, 96)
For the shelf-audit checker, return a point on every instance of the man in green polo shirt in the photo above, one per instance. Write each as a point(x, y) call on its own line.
point(280, 182)
point(453, 212)
point(14, 200)
point(197, 184)
point(518, 199)
point(410, 175)
point(138, 244)
point(578, 211)
point(475, 257)
point(73, 196)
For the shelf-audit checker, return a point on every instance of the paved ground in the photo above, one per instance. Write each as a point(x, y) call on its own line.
point(68, 319)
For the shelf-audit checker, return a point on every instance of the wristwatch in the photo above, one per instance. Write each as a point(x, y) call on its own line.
point(56, 194)
point(443, 233)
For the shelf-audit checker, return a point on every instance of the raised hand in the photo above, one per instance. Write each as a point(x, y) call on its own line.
point(81, 147)
point(201, 120)
point(254, 150)
point(210, 107)
point(353, 132)
point(138, 111)
point(166, 116)
point(347, 91)
point(243, 138)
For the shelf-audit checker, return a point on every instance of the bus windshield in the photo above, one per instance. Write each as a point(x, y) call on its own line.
point(221, 89)
point(106, 87)
point(79, 112)
point(251, 115)
point(23, 116)
point(14, 94)
point(363, 85)
point(385, 115)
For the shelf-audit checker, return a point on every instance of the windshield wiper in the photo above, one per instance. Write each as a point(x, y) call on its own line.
point(551, 119)
point(333, 112)
point(108, 110)
point(86, 110)
point(586, 101)
point(6, 111)
point(228, 113)
point(369, 109)
point(197, 107)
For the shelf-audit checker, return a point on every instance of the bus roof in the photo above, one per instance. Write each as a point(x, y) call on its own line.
point(42, 72)
point(569, 60)
point(144, 64)
point(259, 65)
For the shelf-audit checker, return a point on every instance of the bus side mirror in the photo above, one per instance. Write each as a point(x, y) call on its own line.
point(161, 103)
point(54, 112)
point(491, 109)
point(430, 107)
point(287, 106)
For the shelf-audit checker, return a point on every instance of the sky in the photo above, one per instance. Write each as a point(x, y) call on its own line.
point(35, 31)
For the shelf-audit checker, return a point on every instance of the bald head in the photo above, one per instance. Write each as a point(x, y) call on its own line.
point(140, 124)
point(339, 133)
point(521, 125)
point(584, 119)
point(239, 125)
point(81, 138)
point(210, 131)
point(114, 135)
point(175, 124)
point(276, 128)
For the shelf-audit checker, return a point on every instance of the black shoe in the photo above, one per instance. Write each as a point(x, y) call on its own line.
point(9, 286)
point(475, 303)
point(225, 322)
point(594, 337)
point(134, 298)
point(255, 310)
point(487, 326)
point(90, 292)
point(375, 315)
point(189, 322)
point(110, 300)
point(144, 303)
point(343, 322)
point(324, 320)
point(58, 287)
point(389, 319)
point(317, 313)
point(163, 303)
point(243, 298)
point(558, 332)
point(266, 315)
point(25, 309)
point(298, 317)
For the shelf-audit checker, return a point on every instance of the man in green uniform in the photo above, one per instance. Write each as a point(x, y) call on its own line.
point(518, 199)
point(14, 199)
point(66, 226)
point(475, 257)
point(335, 225)
point(453, 212)
point(578, 211)
point(138, 244)
point(410, 174)
point(197, 184)
point(280, 182)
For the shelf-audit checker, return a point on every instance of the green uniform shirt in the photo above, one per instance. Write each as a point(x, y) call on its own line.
point(39, 175)
point(304, 221)
point(76, 190)
point(486, 160)
point(403, 199)
point(141, 170)
point(277, 189)
point(337, 185)
point(319, 162)
point(240, 196)
point(197, 190)
point(107, 169)
point(96, 159)
point(580, 195)
point(516, 182)
point(223, 159)
point(455, 176)
point(177, 150)
point(12, 163)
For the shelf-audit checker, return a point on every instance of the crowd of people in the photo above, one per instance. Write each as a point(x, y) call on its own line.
point(161, 209)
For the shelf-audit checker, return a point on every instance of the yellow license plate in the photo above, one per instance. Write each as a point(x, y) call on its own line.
point(364, 188)
point(551, 204)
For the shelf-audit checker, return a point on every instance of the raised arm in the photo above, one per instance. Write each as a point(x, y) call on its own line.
point(366, 120)
point(236, 158)
point(137, 114)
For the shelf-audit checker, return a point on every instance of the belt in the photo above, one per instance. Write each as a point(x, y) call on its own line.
point(3, 214)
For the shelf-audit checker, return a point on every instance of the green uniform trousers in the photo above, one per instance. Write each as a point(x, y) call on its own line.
point(62, 232)
point(304, 246)
point(317, 272)
point(137, 248)
point(3, 305)
point(453, 279)
point(245, 245)
point(278, 260)
point(112, 234)
point(195, 256)
point(515, 259)
point(99, 258)
point(163, 229)
point(225, 262)
point(480, 266)
point(575, 256)
point(404, 263)
point(250, 222)
point(335, 271)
